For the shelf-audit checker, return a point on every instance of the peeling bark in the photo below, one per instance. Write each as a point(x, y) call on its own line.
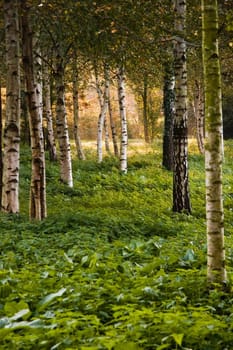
point(181, 196)
point(216, 271)
point(11, 139)
point(38, 207)
point(124, 131)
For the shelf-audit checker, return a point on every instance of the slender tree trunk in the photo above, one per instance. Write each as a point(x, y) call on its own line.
point(106, 139)
point(124, 131)
point(38, 208)
point(49, 117)
point(77, 138)
point(113, 127)
point(103, 101)
point(1, 155)
point(62, 127)
point(216, 271)
point(10, 194)
point(169, 110)
point(181, 197)
point(145, 109)
point(199, 116)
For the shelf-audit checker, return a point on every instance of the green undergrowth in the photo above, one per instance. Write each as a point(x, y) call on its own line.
point(112, 268)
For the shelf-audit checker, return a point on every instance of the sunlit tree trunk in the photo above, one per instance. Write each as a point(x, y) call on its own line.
point(106, 134)
point(199, 116)
point(181, 197)
point(113, 127)
point(103, 102)
point(10, 193)
point(145, 109)
point(66, 175)
point(38, 209)
point(48, 114)
point(169, 110)
point(124, 131)
point(216, 271)
point(77, 137)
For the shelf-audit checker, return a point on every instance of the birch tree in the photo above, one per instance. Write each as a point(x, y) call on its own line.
point(1, 155)
point(199, 115)
point(77, 138)
point(103, 97)
point(216, 271)
point(10, 193)
point(169, 110)
point(66, 175)
point(181, 197)
point(113, 127)
point(48, 114)
point(37, 208)
point(124, 130)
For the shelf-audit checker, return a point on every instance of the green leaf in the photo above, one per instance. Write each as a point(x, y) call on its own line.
point(17, 310)
point(189, 255)
point(49, 298)
point(178, 337)
point(128, 346)
point(20, 314)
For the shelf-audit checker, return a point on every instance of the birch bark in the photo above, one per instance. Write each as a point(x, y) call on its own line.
point(103, 102)
point(216, 271)
point(199, 116)
point(169, 110)
point(48, 114)
point(113, 127)
point(77, 138)
point(11, 139)
point(62, 127)
point(37, 208)
point(181, 197)
point(124, 131)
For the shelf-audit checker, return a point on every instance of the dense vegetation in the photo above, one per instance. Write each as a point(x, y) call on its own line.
point(112, 267)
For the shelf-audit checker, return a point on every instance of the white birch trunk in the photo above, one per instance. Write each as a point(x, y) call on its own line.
point(77, 138)
point(181, 197)
point(103, 102)
point(62, 129)
point(49, 116)
point(38, 208)
point(124, 131)
point(199, 116)
point(216, 271)
point(10, 194)
point(113, 127)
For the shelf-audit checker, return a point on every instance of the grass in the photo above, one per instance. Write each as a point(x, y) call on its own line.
point(112, 267)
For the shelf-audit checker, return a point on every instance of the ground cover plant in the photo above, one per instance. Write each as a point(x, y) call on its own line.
point(112, 267)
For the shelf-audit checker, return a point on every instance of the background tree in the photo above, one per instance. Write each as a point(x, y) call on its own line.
point(169, 111)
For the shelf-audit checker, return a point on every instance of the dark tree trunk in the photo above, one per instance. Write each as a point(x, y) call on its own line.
point(1, 163)
point(169, 110)
point(113, 128)
point(145, 110)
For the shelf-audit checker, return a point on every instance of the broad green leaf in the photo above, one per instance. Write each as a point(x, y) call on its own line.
point(189, 255)
point(49, 298)
point(32, 324)
point(128, 346)
point(17, 310)
point(178, 337)
point(20, 314)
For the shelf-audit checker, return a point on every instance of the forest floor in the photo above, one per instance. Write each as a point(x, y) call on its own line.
point(112, 267)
